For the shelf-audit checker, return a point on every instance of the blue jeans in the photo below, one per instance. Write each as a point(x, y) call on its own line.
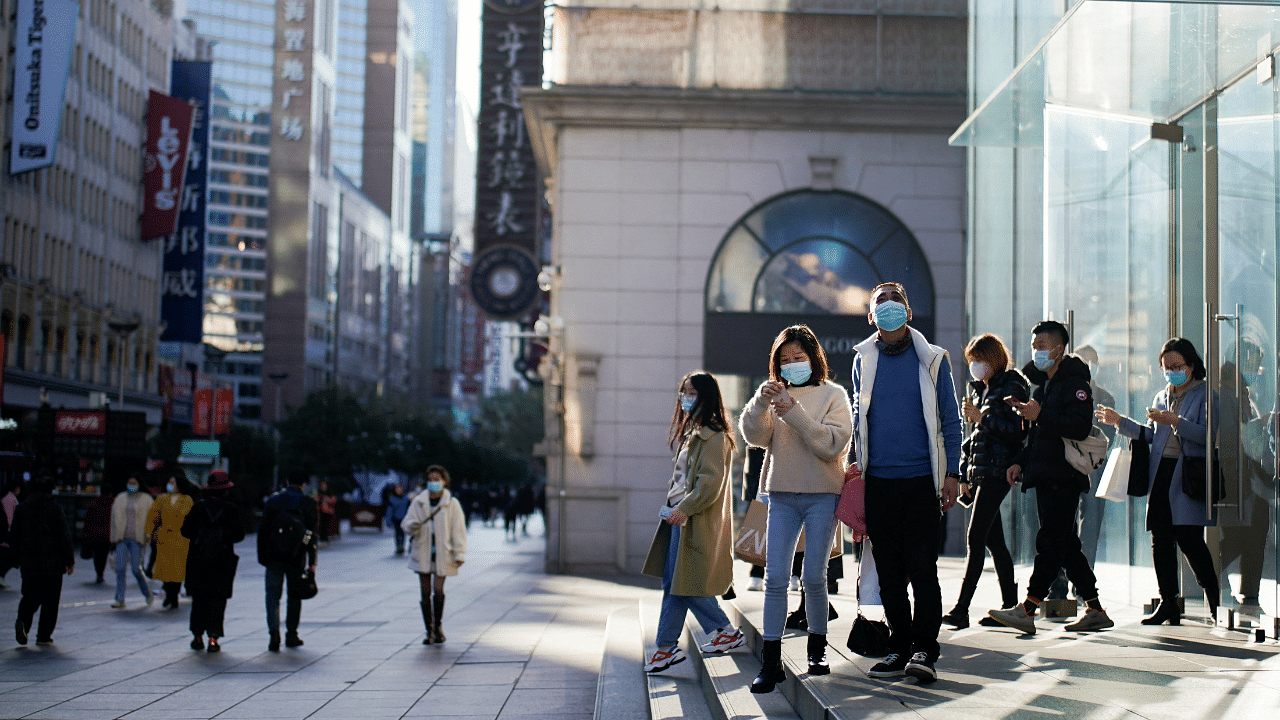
point(671, 619)
point(788, 513)
point(129, 555)
point(275, 585)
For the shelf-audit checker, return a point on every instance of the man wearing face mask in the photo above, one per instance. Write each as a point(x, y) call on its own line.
point(286, 544)
point(907, 448)
point(1061, 407)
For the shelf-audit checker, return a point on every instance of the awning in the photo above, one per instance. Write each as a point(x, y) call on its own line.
point(1152, 61)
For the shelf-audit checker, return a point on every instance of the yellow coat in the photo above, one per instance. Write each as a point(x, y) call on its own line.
point(171, 547)
point(704, 562)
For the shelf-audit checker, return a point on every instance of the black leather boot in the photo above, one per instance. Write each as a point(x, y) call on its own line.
point(428, 620)
point(1166, 611)
point(1212, 598)
point(818, 655)
point(771, 672)
point(438, 636)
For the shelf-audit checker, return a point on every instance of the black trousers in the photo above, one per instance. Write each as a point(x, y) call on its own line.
point(986, 533)
point(207, 613)
point(101, 549)
point(1058, 544)
point(40, 592)
point(1167, 539)
point(902, 521)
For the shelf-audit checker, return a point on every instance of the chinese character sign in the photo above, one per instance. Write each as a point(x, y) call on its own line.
point(292, 86)
point(182, 287)
point(168, 133)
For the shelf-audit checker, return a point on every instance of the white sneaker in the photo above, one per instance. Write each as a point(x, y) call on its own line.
point(1091, 621)
point(756, 584)
point(118, 604)
point(151, 597)
point(663, 659)
point(1015, 617)
point(724, 641)
point(795, 583)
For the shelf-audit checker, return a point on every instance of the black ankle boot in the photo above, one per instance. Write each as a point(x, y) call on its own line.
point(958, 618)
point(771, 672)
point(818, 655)
point(1212, 599)
point(1166, 611)
point(427, 620)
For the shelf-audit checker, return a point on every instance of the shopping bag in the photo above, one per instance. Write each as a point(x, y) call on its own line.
point(1088, 454)
point(868, 578)
point(1114, 485)
point(852, 508)
point(750, 543)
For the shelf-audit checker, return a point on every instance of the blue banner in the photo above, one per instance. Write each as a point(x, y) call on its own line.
point(182, 293)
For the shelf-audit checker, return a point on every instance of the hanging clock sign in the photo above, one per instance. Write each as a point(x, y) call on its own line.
point(504, 282)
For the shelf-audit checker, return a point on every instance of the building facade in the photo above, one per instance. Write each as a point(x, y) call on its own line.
point(1123, 183)
point(714, 176)
point(73, 264)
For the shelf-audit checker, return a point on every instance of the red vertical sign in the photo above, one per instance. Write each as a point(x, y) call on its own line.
point(165, 166)
point(224, 401)
point(201, 412)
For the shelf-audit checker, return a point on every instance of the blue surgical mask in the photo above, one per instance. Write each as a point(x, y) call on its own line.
point(435, 486)
point(171, 488)
point(1176, 379)
point(1042, 359)
point(890, 315)
point(131, 488)
point(687, 403)
point(797, 373)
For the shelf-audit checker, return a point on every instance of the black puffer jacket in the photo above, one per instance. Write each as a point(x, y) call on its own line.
point(1001, 433)
point(40, 537)
point(1066, 411)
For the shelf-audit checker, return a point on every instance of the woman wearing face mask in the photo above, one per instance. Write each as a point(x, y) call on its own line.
point(1176, 429)
point(130, 533)
point(166, 516)
point(213, 526)
point(996, 437)
point(437, 529)
point(692, 549)
point(805, 423)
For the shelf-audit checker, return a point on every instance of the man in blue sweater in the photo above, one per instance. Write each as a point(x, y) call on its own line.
point(907, 449)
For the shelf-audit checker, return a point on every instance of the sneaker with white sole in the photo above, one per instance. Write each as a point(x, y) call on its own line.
point(663, 659)
point(795, 583)
point(724, 641)
point(118, 604)
point(1092, 620)
point(893, 665)
point(756, 584)
point(1015, 617)
point(921, 668)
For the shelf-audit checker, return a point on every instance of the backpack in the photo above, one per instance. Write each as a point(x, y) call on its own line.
point(288, 533)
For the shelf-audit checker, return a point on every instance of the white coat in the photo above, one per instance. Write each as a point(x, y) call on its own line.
point(450, 527)
point(120, 518)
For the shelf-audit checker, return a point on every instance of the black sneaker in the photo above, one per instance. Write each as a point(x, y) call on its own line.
point(957, 619)
point(894, 665)
point(273, 642)
point(921, 668)
point(292, 640)
point(20, 632)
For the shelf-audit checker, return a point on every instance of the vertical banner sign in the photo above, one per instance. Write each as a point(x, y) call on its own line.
point(504, 274)
point(223, 404)
point(182, 299)
point(43, 35)
point(201, 412)
point(165, 165)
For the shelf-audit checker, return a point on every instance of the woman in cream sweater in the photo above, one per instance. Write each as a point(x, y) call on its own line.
point(805, 423)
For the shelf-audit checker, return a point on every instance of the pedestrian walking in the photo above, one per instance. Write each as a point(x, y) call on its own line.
point(437, 532)
point(166, 516)
point(1060, 409)
point(998, 435)
point(287, 549)
point(526, 503)
point(692, 550)
point(804, 422)
point(8, 503)
point(1176, 429)
point(213, 528)
point(327, 501)
point(397, 508)
point(95, 538)
point(130, 534)
point(908, 454)
point(41, 542)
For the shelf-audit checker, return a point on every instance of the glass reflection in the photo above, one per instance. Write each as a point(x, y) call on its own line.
point(816, 277)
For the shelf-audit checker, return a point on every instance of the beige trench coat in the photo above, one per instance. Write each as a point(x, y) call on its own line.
point(704, 563)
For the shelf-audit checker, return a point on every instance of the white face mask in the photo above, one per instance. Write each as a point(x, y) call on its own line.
point(979, 370)
point(171, 488)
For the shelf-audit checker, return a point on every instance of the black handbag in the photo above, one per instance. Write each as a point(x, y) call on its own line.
point(1193, 469)
point(306, 585)
point(1139, 482)
point(869, 638)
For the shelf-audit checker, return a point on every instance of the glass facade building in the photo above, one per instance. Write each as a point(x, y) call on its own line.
point(1124, 176)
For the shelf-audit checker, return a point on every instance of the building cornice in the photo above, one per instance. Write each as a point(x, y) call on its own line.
point(547, 110)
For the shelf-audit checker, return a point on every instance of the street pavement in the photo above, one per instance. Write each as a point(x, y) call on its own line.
point(520, 644)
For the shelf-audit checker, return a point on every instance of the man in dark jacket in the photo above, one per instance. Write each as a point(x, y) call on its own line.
point(1061, 408)
point(41, 544)
point(287, 563)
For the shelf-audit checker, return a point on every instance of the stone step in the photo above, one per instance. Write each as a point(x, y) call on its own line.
point(677, 692)
point(726, 681)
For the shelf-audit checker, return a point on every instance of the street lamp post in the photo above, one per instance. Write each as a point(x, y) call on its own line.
point(124, 330)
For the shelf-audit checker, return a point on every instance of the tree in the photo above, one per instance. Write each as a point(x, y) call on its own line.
point(512, 421)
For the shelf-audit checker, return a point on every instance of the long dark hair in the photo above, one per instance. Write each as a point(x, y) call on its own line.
point(1183, 347)
point(708, 409)
point(809, 343)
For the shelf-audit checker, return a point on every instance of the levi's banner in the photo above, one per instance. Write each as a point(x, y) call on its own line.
point(165, 164)
point(42, 40)
point(80, 422)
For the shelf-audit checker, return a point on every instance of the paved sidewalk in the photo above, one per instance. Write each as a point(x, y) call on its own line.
point(521, 644)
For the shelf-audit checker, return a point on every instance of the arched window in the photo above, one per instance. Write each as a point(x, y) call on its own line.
point(808, 257)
